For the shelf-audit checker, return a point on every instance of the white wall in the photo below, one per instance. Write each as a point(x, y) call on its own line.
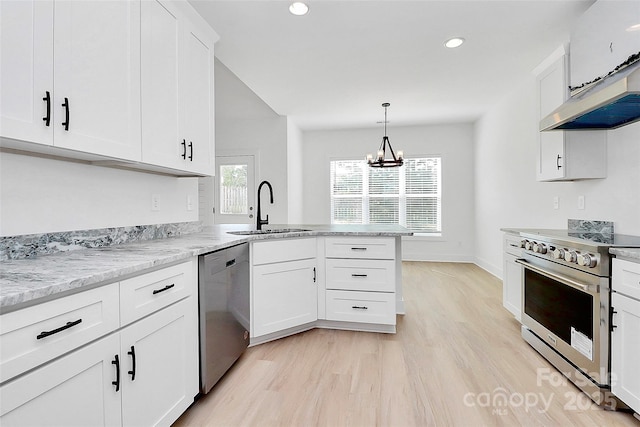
point(508, 195)
point(453, 142)
point(295, 176)
point(39, 195)
point(246, 125)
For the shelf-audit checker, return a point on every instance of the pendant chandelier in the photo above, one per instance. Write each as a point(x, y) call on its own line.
point(381, 160)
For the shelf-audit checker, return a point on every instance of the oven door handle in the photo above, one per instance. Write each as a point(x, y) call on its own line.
point(562, 279)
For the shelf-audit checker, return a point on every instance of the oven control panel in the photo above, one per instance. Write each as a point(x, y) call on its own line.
point(561, 254)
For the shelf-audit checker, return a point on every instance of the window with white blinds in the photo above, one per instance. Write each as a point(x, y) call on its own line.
point(409, 195)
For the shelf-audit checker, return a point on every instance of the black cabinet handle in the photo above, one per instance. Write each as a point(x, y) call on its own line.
point(360, 307)
point(230, 263)
point(166, 288)
point(116, 362)
point(314, 275)
point(558, 162)
point(358, 249)
point(65, 104)
point(612, 326)
point(184, 149)
point(358, 275)
point(45, 334)
point(47, 118)
point(190, 151)
point(132, 372)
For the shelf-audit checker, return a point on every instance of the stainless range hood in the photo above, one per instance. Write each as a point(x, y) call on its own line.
point(610, 103)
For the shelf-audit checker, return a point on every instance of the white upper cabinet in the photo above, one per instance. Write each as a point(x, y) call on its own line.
point(109, 81)
point(26, 70)
point(177, 88)
point(562, 155)
point(97, 77)
point(603, 38)
point(75, 75)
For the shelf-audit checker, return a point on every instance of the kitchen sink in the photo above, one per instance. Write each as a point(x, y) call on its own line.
point(274, 231)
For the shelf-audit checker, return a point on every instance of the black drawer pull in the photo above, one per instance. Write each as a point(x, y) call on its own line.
point(190, 151)
point(47, 118)
point(358, 275)
point(358, 249)
point(116, 362)
point(65, 104)
point(184, 149)
point(230, 263)
point(45, 334)
point(360, 307)
point(132, 372)
point(166, 288)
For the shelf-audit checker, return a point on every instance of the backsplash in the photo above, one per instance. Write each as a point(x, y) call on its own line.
point(31, 245)
point(602, 227)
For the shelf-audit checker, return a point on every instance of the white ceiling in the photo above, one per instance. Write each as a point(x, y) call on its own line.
point(334, 67)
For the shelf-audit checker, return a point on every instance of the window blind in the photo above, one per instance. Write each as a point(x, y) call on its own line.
point(408, 196)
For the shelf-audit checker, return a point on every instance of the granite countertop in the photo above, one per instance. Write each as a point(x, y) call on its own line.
point(632, 254)
point(28, 281)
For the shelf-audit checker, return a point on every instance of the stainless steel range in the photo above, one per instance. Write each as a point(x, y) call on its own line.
point(566, 311)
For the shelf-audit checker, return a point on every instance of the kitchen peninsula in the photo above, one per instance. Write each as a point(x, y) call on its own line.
point(82, 318)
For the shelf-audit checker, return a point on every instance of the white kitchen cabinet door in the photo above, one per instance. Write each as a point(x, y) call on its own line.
point(551, 156)
point(161, 47)
point(284, 295)
point(26, 70)
point(197, 99)
point(512, 286)
point(96, 98)
point(177, 89)
point(164, 381)
point(625, 348)
point(512, 273)
point(566, 155)
point(75, 390)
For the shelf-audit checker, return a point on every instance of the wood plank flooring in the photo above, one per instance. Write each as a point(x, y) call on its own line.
point(457, 360)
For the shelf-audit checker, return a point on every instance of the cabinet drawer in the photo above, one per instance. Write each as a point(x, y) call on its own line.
point(511, 244)
point(283, 250)
point(361, 247)
point(361, 275)
point(363, 307)
point(35, 335)
point(145, 294)
point(626, 278)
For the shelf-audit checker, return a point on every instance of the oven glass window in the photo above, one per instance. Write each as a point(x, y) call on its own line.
point(557, 307)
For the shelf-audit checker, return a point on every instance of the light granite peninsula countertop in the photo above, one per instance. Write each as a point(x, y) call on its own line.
point(29, 281)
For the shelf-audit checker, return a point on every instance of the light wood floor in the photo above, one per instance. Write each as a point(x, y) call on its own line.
point(456, 352)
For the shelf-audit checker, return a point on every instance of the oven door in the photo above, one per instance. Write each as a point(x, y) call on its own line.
point(569, 310)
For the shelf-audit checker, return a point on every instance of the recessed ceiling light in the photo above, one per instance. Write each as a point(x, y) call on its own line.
point(298, 8)
point(454, 42)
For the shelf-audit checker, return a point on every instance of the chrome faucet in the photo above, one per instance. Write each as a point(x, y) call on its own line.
point(261, 221)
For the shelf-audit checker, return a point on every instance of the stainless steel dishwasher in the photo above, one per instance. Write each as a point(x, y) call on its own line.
point(224, 311)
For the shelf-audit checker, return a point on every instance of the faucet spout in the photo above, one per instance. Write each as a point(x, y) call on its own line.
point(260, 222)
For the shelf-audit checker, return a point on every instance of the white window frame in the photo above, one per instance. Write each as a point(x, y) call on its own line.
point(365, 197)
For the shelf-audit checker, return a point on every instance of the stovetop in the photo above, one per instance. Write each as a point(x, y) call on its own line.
point(583, 237)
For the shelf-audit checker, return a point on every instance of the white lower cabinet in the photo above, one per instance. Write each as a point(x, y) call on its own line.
point(74, 390)
point(512, 276)
point(142, 371)
point(625, 345)
point(165, 381)
point(284, 291)
point(361, 280)
point(284, 295)
point(361, 307)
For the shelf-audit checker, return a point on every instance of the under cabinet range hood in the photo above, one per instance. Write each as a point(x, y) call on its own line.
point(608, 104)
